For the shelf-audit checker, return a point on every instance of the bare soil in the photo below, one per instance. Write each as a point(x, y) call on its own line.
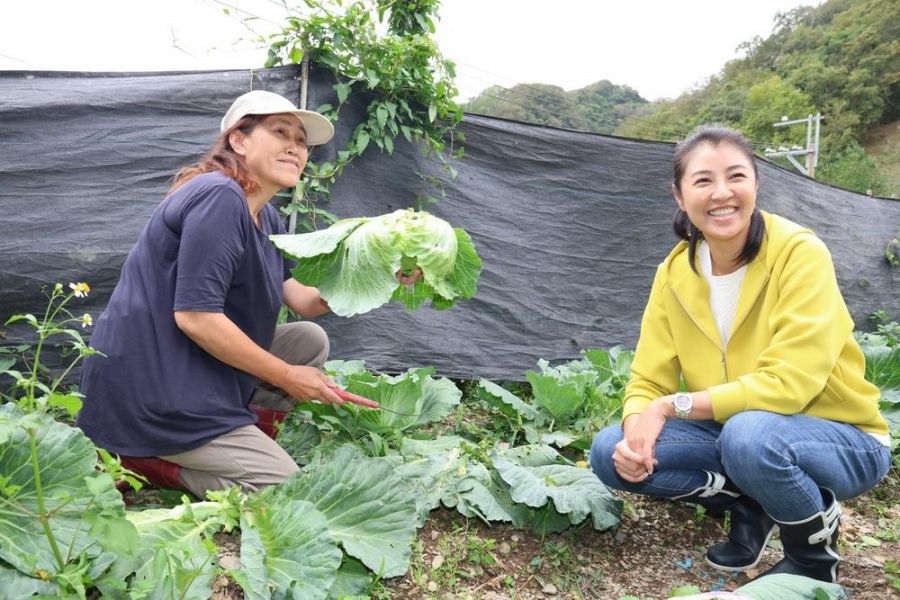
point(659, 546)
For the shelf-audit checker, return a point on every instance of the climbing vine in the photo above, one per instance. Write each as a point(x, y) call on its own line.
point(408, 84)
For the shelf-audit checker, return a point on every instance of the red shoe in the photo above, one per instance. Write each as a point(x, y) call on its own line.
point(268, 419)
point(160, 473)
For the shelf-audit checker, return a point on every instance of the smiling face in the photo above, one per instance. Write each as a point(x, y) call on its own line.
point(275, 151)
point(718, 193)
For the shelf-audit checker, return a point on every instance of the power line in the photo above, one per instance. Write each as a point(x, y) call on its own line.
point(24, 62)
point(241, 10)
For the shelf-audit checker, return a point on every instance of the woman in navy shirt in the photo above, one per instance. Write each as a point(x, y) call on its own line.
point(189, 335)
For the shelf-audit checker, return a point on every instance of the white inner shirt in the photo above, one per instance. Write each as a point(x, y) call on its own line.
point(724, 291)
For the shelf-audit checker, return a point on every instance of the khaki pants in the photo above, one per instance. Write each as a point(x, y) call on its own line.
point(246, 456)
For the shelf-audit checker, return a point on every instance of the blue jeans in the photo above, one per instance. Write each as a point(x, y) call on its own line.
point(779, 460)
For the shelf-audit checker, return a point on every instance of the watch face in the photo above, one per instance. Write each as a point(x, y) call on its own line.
point(683, 401)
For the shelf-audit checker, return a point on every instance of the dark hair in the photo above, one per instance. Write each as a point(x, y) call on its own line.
point(714, 135)
point(222, 157)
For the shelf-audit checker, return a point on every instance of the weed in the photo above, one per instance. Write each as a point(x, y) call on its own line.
point(35, 390)
point(892, 573)
point(557, 554)
point(480, 552)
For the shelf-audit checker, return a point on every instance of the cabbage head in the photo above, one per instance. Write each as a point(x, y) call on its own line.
point(353, 262)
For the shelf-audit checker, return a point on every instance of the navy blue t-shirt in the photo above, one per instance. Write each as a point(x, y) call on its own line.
point(155, 391)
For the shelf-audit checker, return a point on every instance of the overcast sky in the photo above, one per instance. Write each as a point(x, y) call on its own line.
point(659, 47)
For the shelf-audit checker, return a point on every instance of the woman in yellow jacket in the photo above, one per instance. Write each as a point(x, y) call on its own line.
point(777, 424)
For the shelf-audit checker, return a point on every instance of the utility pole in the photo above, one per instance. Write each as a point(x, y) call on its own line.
point(811, 152)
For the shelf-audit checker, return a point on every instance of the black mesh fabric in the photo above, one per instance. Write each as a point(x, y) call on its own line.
point(570, 225)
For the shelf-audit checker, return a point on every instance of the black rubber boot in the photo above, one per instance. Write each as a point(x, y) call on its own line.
point(750, 529)
point(748, 535)
point(810, 545)
point(717, 496)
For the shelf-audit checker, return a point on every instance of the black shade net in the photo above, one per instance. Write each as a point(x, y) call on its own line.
point(570, 225)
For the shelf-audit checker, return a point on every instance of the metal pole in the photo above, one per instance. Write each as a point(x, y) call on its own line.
point(809, 157)
point(816, 146)
point(811, 152)
point(304, 81)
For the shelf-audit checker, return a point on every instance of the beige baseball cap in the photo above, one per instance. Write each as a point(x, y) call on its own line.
point(260, 102)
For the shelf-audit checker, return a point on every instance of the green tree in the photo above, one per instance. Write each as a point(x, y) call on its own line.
point(841, 58)
point(851, 169)
point(598, 107)
point(769, 101)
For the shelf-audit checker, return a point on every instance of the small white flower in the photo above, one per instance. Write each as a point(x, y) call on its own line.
point(80, 289)
point(86, 321)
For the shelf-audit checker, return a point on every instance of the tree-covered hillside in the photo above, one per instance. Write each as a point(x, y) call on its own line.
point(599, 107)
point(841, 59)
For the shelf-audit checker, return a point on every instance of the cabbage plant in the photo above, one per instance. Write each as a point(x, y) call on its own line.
point(354, 262)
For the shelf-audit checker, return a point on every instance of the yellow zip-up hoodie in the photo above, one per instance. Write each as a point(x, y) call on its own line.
point(791, 348)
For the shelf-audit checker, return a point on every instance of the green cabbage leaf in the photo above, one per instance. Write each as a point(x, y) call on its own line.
point(353, 263)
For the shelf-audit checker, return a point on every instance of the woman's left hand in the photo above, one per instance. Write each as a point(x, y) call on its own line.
point(408, 279)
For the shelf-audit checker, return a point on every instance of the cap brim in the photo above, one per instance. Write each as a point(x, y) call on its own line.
point(319, 130)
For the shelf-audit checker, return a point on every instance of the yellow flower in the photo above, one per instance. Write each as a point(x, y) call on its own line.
point(80, 289)
point(86, 321)
point(581, 464)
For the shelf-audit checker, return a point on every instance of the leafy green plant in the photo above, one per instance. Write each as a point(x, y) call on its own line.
point(401, 74)
point(407, 401)
point(882, 352)
point(51, 476)
point(34, 389)
point(481, 551)
point(287, 548)
point(330, 531)
point(892, 573)
point(780, 586)
point(569, 402)
point(177, 557)
point(850, 168)
point(353, 263)
point(363, 505)
point(63, 520)
point(892, 252)
point(565, 495)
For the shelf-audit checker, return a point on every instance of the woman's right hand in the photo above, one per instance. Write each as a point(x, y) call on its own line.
point(309, 383)
point(630, 465)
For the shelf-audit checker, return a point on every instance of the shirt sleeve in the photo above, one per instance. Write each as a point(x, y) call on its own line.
point(212, 242)
point(810, 324)
point(656, 369)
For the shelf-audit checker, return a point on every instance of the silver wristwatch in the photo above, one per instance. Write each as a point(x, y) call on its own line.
point(683, 404)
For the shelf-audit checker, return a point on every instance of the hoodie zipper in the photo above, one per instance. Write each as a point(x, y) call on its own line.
point(697, 325)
